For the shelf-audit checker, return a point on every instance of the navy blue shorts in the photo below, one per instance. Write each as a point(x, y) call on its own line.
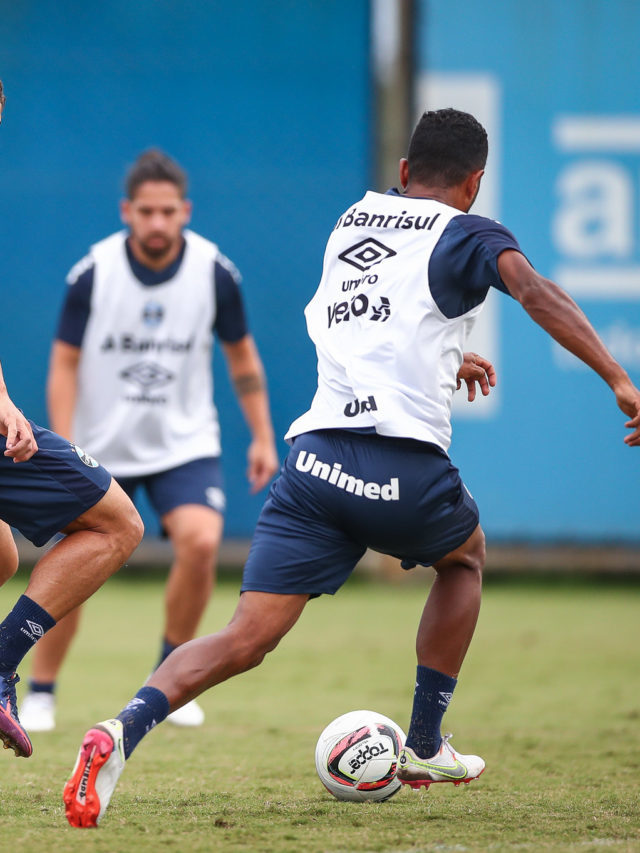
point(197, 482)
point(41, 496)
point(340, 492)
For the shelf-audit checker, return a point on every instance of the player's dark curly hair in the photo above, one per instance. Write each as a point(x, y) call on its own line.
point(446, 146)
point(155, 165)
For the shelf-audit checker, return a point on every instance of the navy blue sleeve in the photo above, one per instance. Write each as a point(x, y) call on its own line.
point(231, 322)
point(464, 263)
point(76, 307)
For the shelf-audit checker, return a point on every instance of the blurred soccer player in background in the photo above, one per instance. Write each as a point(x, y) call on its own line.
point(131, 381)
point(405, 275)
point(54, 487)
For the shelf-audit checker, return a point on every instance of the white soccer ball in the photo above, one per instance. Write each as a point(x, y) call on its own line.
point(357, 757)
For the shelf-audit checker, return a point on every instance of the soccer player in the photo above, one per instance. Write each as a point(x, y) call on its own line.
point(405, 275)
point(131, 382)
point(54, 487)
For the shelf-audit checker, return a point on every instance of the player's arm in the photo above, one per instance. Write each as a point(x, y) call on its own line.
point(247, 375)
point(553, 309)
point(62, 380)
point(20, 444)
point(62, 387)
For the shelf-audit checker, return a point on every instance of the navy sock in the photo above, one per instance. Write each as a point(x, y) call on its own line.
point(147, 708)
point(431, 698)
point(22, 628)
point(42, 686)
point(165, 651)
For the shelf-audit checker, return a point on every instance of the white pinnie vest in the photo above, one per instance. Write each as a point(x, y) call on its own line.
point(145, 384)
point(387, 356)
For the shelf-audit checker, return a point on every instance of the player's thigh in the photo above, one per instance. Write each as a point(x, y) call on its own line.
point(114, 513)
point(264, 618)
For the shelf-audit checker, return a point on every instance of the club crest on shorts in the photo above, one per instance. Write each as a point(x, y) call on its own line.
point(88, 460)
point(215, 498)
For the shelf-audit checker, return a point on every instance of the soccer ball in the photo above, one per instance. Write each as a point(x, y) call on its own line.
point(357, 757)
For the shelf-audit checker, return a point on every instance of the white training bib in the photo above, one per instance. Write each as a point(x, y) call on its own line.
point(145, 385)
point(387, 356)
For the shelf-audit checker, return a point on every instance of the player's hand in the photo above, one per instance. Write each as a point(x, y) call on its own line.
point(628, 399)
point(20, 445)
point(262, 463)
point(475, 368)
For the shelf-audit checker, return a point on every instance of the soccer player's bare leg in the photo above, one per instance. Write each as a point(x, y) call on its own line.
point(96, 545)
point(451, 611)
point(260, 621)
point(444, 633)
point(195, 532)
point(51, 651)
point(8, 553)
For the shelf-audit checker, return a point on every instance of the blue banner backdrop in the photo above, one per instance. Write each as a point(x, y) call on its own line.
point(557, 86)
point(267, 105)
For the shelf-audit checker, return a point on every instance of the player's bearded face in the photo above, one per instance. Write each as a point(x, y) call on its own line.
point(156, 216)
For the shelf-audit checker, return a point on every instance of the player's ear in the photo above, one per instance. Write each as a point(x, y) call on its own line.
point(125, 211)
point(188, 210)
point(472, 185)
point(403, 171)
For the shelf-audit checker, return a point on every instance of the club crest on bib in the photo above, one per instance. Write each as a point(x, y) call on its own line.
point(152, 314)
point(88, 460)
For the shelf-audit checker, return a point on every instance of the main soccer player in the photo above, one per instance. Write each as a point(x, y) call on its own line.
point(131, 382)
point(54, 487)
point(405, 275)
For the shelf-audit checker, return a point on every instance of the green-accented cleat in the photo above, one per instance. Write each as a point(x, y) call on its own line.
point(446, 765)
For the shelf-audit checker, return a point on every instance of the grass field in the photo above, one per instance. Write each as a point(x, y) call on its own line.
point(549, 696)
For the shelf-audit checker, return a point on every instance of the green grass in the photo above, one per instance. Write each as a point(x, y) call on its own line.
point(549, 696)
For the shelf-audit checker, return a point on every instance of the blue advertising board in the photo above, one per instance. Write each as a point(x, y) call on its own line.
point(267, 105)
point(556, 85)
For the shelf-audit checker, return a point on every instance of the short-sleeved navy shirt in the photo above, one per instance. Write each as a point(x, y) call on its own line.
point(464, 263)
point(230, 324)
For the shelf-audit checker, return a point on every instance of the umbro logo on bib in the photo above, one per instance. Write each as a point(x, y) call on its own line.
point(147, 374)
point(366, 253)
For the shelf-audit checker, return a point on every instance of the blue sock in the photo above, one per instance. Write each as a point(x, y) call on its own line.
point(22, 628)
point(165, 651)
point(430, 700)
point(42, 686)
point(147, 708)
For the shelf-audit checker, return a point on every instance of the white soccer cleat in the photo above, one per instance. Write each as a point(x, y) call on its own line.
point(190, 714)
point(38, 712)
point(95, 775)
point(446, 765)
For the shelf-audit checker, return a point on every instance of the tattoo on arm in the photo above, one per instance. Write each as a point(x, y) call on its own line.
point(248, 383)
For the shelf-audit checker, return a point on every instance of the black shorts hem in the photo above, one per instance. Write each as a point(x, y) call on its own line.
point(265, 588)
